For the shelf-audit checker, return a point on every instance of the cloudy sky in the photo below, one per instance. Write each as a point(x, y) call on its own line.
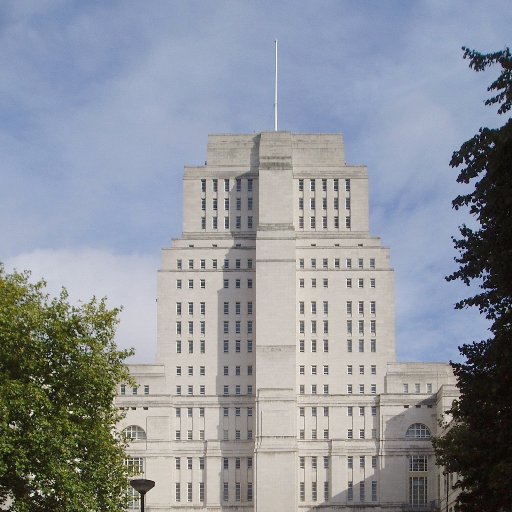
point(103, 103)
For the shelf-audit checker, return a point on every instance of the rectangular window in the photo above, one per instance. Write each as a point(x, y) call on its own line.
point(201, 490)
point(373, 345)
point(350, 462)
point(225, 493)
point(302, 491)
point(361, 491)
point(349, 345)
point(348, 282)
point(178, 492)
point(374, 490)
point(350, 491)
point(347, 222)
point(312, 223)
point(418, 490)
point(326, 346)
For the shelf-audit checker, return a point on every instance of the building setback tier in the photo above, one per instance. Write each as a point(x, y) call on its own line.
point(276, 386)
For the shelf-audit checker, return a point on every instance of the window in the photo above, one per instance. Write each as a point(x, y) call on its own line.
point(301, 283)
point(349, 345)
point(347, 222)
point(335, 185)
point(201, 486)
point(349, 389)
point(178, 346)
point(349, 326)
point(418, 431)
point(301, 222)
point(313, 462)
point(326, 282)
point(324, 185)
point(324, 222)
point(348, 282)
point(349, 369)
point(312, 185)
point(350, 462)
point(134, 433)
point(326, 346)
point(326, 369)
point(123, 389)
point(360, 283)
point(372, 282)
point(202, 283)
point(313, 346)
point(361, 411)
point(178, 284)
point(361, 461)
point(178, 390)
point(301, 369)
point(249, 346)
point(202, 308)
point(361, 433)
point(373, 345)
point(203, 185)
point(374, 410)
point(238, 184)
point(372, 307)
point(312, 223)
point(429, 387)
point(350, 434)
point(418, 463)
point(374, 490)
point(336, 222)
point(225, 493)
point(361, 389)
point(361, 491)
point(405, 388)
point(361, 345)
point(361, 369)
point(418, 490)
point(135, 464)
point(178, 492)
point(190, 346)
point(214, 184)
point(249, 283)
point(249, 185)
point(373, 389)
point(302, 491)
point(347, 185)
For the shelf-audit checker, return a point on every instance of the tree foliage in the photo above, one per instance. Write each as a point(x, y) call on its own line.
point(59, 371)
point(478, 444)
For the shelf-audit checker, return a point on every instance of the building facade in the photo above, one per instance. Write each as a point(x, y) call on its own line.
point(276, 386)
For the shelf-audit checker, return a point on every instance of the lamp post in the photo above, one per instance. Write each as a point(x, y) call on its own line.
point(142, 486)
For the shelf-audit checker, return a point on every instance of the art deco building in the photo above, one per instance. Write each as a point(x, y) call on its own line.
point(276, 386)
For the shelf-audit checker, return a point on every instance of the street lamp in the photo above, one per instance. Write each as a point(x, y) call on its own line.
point(142, 486)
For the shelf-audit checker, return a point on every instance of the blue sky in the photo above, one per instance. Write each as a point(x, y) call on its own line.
point(103, 103)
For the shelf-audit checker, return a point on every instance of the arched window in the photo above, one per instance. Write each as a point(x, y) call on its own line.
point(418, 431)
point(134, 432)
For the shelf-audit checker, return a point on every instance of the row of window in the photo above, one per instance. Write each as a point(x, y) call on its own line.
point(215, 203)
point(202, 327)
point(135, 389)
point(202, 282)
point(348, 282)
point(325, 389)
point(325, 307)
point(238, 222)
point(226, 308)
point(226, 346)
point(312, 184)
point(325, 369)
point(325, 326)
point(314, 346)
point(314, 461)
point(227, 391)
point(324, 225)
point(415, 431)
point(348, 263)
point(190, 345)
point(417, 387)
point(313, 203)
point(215, 266)
point(227, 183)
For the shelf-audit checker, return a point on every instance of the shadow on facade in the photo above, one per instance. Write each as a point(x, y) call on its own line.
point(387, 487)
point(236, 350)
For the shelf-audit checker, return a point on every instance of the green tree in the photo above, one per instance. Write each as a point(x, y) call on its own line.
point(478, 446)
point(59, 370)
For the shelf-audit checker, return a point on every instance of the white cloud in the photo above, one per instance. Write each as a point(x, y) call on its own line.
point(126, 280)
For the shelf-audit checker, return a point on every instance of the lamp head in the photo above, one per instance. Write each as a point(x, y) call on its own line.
point(142, 485)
